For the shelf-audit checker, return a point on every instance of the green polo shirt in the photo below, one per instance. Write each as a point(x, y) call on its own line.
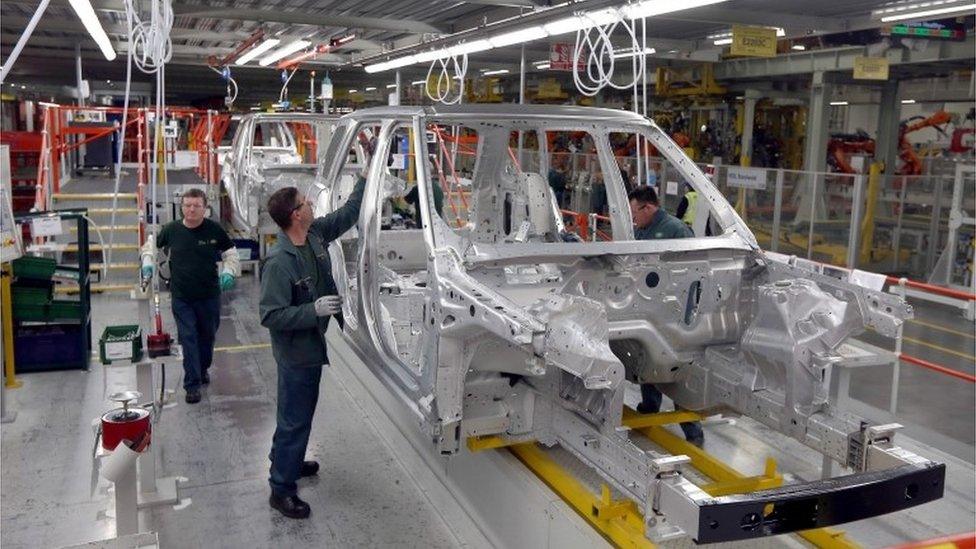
point(663, 225)
point(193, 257)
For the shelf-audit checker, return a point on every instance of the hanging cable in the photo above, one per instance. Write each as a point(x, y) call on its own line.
point(595, 43)
point(442, 90)
point(284, 87)
point(225, 74)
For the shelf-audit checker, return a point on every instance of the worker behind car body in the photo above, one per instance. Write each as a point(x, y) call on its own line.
point(194, 243)
point(651, 222)
point(298, 297)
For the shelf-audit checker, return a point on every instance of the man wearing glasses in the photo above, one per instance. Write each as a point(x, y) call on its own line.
point(194, 244)
point(652, 222)
point(298, 295)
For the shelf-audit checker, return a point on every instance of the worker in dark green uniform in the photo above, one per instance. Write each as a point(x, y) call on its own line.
point(193, 244)
point(413, 198)
point(652, 222)
point(298, 296)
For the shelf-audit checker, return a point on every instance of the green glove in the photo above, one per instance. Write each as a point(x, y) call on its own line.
point(227, 281)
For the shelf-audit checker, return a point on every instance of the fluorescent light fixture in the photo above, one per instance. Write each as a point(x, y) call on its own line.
point(392, 64)
point(87, 15)
point(566, 25)
point(723, 42)
point(543, 66)
point(370, 88)
point(473, 46)
point(517, 37)
point(418, 83)
point(922, 10)
point(650, 8)
point(907, 101)
point(603, 17)
point(284, 51)
point(390, 86)
point(257, 50)
point(838, 103)
point(629, 52)
point(428, 56)
point(798, 47)
point(46, 104)
point(499, 71)
point(353, 91)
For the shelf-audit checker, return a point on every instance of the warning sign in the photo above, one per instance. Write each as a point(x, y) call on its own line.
point(870, 68)
point(753, 41)
point(561, 57)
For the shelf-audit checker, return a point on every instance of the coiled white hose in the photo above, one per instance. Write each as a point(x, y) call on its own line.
point(595, 43)
point(442, 91)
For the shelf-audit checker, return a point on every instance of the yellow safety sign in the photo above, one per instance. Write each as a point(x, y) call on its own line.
point(870, 68)
point(753, 41)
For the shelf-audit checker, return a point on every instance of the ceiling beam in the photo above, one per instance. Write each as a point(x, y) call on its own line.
point(305, 18)
point(726, 16)
point(73, 24)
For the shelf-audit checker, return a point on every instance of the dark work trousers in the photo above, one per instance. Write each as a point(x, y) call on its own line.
point(298, 393)
point(651, 404)
point(196, 326)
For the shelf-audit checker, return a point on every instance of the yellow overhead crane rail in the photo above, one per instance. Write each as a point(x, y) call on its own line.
point(620, 521)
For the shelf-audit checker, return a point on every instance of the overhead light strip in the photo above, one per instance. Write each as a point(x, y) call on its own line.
point(94, 27)
point(564, 25)
point(284, 51)
point(254, 52)
point(929, 13)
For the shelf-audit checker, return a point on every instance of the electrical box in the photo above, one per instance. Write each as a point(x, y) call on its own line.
point(10, 244)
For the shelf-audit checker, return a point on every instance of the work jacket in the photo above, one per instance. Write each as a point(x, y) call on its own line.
point(663, 225)
point(287, 304)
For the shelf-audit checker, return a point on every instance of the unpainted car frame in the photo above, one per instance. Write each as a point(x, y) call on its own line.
point(503, 325)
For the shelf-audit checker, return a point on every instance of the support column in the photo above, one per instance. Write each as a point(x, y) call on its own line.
point(81, 99)
point(889, 113)
point(745, 154)
point(399, 88)
point(815, 153)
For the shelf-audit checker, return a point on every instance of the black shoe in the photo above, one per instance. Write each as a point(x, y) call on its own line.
point(205, 379)
point(310, 468)
point(645, 409)
point(192, 396)
point(699, 442)
point(290, 506)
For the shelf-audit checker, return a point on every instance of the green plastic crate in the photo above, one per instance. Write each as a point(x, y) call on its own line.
point(55, 310)
point(41, 268)
point(120, 343)
point(31, 295)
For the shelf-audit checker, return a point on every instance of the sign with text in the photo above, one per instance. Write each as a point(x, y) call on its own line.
point(747, 178)
point(870, 68)
point(561, 57)
point(931, 30)
point(753, 41)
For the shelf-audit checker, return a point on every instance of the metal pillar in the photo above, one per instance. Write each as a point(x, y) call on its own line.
point(521, 134)
point(81, 98)
point(745, 155)
point(889, 114)
point(399, 88)
point(815, 155)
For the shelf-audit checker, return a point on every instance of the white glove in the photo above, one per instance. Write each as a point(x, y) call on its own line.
point(328, 305)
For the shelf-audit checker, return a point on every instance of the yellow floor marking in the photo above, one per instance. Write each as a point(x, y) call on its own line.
point(942, 328)
point(940, 348)
point(238, 348)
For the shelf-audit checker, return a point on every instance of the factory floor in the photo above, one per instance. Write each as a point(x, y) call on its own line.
point(362, 497)
point(365, 495)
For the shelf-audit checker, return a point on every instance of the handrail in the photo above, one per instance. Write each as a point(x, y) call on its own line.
point(931, 288)
point(966, 540)
point(937, 367)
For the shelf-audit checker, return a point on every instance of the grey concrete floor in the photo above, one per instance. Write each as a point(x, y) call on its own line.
point(361, 497)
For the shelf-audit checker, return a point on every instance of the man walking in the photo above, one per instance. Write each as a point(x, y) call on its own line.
point(652, 222)
point(194, 243)
point(298, 295)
